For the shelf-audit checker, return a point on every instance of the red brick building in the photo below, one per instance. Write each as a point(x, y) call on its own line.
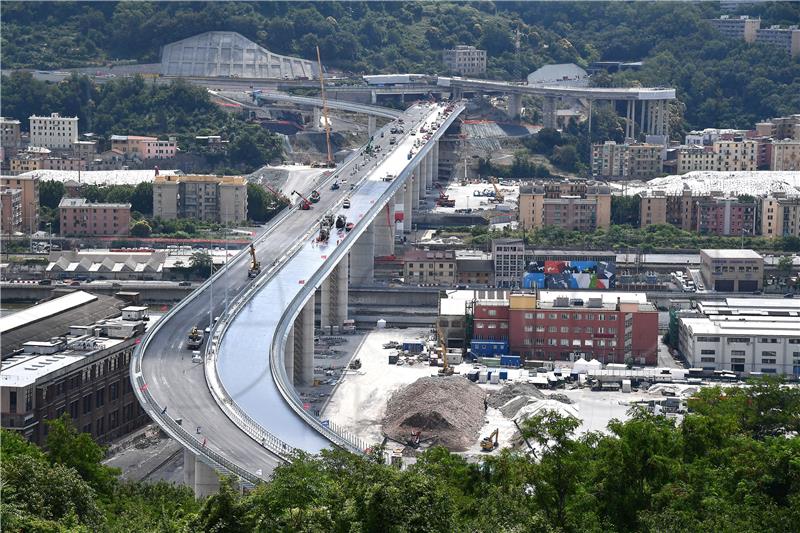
point(561, 325)
point(79, 218)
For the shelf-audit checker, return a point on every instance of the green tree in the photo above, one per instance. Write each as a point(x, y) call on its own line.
point(50, 193)
point(142, 198)
point(200, 262)
point(141, 228)
point(222, 512)
point(625, 210)
point(67, 447)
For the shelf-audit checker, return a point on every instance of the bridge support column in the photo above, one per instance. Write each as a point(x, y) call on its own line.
point(317, 116)
point(333, 307)
point(422, 178)
point(549, 116)
point(408, 205)
point(383, 227)
point(435, 176)
point(362, 258)
point(373, 97)
point(288, 355)
point(203, 479)
point(371, 125)
point(304, 345)
point(430, 170)
point(415, 181)
point(514, 105)
point(630, 120)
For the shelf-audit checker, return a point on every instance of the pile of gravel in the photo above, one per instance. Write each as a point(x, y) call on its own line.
point(509, 392)
point(450, 409)
point(563, 398)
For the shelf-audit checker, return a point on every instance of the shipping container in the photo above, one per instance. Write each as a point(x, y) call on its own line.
point(486, 348)
point(512, 361)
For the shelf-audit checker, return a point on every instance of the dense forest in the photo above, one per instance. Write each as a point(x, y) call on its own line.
point(722, 82)
point(733, 464)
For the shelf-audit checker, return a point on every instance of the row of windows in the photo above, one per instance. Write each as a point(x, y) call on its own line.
point(589, 343)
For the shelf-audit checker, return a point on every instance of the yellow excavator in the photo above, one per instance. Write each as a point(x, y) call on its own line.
point(255, 265)
point(490, 443)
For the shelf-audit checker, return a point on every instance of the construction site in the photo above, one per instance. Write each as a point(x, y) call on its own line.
point(401, 394)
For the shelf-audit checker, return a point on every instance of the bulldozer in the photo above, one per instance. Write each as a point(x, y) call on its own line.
point(255, 264)
point(490, 443)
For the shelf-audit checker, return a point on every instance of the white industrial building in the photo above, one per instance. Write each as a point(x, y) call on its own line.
point(743, 335)
point(230, 54)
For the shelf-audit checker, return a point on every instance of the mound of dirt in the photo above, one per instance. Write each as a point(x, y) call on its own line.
point(449, 410)
point(509, 392)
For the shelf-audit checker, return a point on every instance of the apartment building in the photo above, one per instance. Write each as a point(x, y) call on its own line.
point(474, 269)
point(428, 267)
point(79, 218)
point(10, 211)
point(780, 216)
point(139, 147)
point(626, 161)
point(741, 27)
point(570, 204)
point(660, 207)
point(722, 156)
point(82, 372)
point(84, 149)
point(787, 127)
point(708, 136)
point(29, 185)
point(726, 216)
point(54, 132)
point(612, 327)
point(785, 155)
point(509, 262)
point(465, 60)
point(732, 270)
point(213, 198)
point(746, 336)
point(10, 137)
point(787, 39)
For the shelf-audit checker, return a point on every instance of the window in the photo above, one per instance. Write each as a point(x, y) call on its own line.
point(539, 329)
point(540, 316)
point(564, 316)
point(564, 342)
point(553, 316)
point(73, 409)
point(87, 403)
point(528, 316)
point(528, 329)
point(552, 342)
point(578, 316)
point(737, 352)
point(551, 329)
point(492, 312)
point(113, 391)
point(589, 330)
point(564, 329)
point(100, 398)
point(737, 359)
point(708, 352)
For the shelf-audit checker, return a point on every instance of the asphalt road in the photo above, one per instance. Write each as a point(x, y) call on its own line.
point(178, 384)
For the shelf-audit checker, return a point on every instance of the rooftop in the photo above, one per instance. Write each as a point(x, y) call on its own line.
point(83, 202)
point(731, 253)
point(44, 310)
point(702, 182)
point(99, 177)
point(743, 326)
point(235, 180)
point(428, 255)
point(593, 299)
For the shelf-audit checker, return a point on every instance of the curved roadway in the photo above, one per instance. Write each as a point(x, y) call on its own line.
point(168, 379)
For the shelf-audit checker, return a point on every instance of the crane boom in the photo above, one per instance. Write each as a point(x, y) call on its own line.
point(329, 162)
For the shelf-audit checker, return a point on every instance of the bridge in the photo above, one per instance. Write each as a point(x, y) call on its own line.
point(654, 112)
point(236, 411)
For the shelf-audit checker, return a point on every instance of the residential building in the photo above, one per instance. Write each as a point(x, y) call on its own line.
point(474, 269)
point(722, 156)
point(746, 336)
point(54, 132)
point(613, 327)
point(741, 27)
point(732, 270)
point(465, 60)
point(139, 147)
point(213, 198)
point(661, 207)
point(428, 267)
point(29, 185)
point(787, 127)
point(626, 161)
point(10, 211)
point(780, 216)
point(708, 136)
point(79, 218)
point(570, 204)
point(29, 162)
point(83, 372)
point(785, 155)
point(84, 149)
point(726, 216)
point(509, 262)
point(10, 137)
point(25, 162)
point(787, 39)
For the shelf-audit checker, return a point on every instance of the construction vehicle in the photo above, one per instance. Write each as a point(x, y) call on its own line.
point(446, 370)
point(349, 226)
point(277, 194)
point(330, 162)
point(335, 186)
point(325, 226)
point(195, 338)
point(255, 264)
point(341, 222)
point(314, 196)
point(444, 200)
point(498, 197)
point(305, 203)
point(355, 364)
point(490, 443)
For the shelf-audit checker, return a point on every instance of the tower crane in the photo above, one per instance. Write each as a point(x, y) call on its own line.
point(329, 162)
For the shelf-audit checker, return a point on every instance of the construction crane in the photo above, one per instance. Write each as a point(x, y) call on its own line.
point(498, 195)
point(329, 162)
point(490, 443)
point(305, 203)
point(255, 264)
point(277, 194)
point(444, 200)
